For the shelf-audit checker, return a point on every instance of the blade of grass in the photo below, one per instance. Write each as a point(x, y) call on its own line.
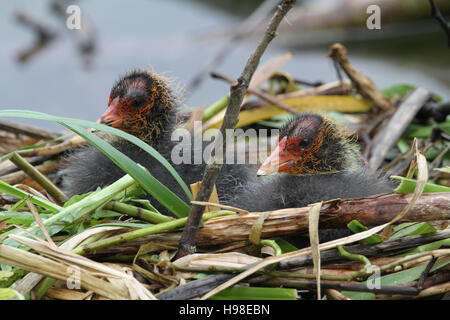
point(139, 173)
point(256, 293)
point(408, 185)
point(15, 192)
point(89, 124)
point(76, 210)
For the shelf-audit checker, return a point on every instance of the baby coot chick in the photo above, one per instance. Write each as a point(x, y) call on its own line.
point(143, 104)
point(313, 161)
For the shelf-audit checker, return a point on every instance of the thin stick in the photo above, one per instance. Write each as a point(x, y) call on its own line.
point(246, 27)
point(49, 150)
point(43, 181)
point(218, 205)
point(363, 84)
point(334, 214)
point(436, 13)
point(30, 131)
point(382, 249)
point(38, 219)
point(358, 287)
point(403, 116)
point(425, 272)
point(20, 176)
point(264, 96)
point(237, 92)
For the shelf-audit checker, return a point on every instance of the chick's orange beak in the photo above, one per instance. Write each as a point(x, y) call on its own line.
point(111, 116)
point(279, 161)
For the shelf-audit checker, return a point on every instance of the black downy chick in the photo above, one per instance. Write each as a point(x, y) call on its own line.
point(313, 161)
point(143, 104)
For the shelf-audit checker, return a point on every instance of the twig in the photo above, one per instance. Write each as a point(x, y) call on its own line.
point(49, 150)
point(383, 249)
point(335, 294)
point(195, 288)
point(425, 272)
point(308, 284)
point(438, 289)
point(403, 116)
point(38, 219)
point(42, 180)
point(251, 23)
point(264, 96)
point(20, 176)
point(33, 161)
point(334, 214)
point(218, 205)
point(137, 212)
point(44, 35)
point(237, 92)
point(30, 131)
point(363, 84)
point(330, 88)
point(84, 38)
point(160, 227)
point(436, 13)
point(309, 83)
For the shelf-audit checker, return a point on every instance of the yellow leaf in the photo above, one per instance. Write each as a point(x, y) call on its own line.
point(311, 103)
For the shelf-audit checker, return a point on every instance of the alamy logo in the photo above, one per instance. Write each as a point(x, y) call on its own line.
point(373, 22)
point(74, 280)
point(74, 19)
point(199, 147)
point(374, 281)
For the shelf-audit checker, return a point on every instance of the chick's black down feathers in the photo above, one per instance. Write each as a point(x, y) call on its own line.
point(290, 191)
point(87, 168)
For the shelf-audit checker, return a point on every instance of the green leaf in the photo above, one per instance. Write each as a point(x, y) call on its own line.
point(101, 127)
point(215, 108)
point(397, 278)
point(4, 275)
point(15, 192)
point(24, 219)
point(400, 89)
point(78, 197)
point(139, 173)
point(255, 293)
point(403, 146)
point(408, 185)
point(412, 230)
point(8, 294)
point(123, 224)
point(285, 246)
point(446, 169)
point(355, 226)
point(421, 131)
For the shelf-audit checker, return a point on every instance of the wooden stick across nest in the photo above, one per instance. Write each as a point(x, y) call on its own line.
point(369, 211)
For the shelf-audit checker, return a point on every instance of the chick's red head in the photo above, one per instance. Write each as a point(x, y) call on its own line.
point(140, 104)
point(309, 143)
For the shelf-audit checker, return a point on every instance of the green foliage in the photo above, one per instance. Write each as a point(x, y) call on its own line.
point(255, 293)
point(408, 185)
point(355, 226)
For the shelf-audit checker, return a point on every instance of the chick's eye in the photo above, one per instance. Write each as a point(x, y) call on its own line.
point(305, 142)
point(137, 102)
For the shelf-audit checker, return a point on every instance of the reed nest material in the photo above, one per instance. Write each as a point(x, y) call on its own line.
point(370, 211)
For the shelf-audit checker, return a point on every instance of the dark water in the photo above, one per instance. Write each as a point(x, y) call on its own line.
point(164, 35)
